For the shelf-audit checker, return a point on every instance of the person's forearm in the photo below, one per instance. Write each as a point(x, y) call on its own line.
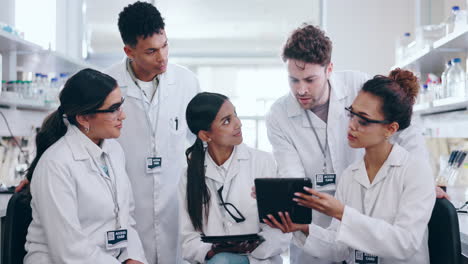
point(210, 254)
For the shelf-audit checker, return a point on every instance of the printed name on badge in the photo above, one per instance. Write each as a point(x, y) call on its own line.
point(116, 239)
point(325, 182)
point(364, 258)
point(153, 164)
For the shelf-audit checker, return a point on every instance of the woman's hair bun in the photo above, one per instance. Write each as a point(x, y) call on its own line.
point(407, 80)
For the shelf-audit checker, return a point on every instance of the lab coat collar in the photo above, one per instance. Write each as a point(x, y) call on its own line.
point(81, 146)
point(240, 152)
point(165, 79)
point(293, 107)
point(337, 85)
point(397, 158)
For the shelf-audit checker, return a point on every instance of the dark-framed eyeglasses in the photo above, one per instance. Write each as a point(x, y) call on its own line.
point(460, 209)
point(114, 108)
point(237, 216)
point(362, 120)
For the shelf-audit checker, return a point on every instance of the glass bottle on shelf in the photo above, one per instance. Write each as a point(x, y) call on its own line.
point(402, 44)
point(456, 79)
point(423, 96)
point(443, 77)
point(452, 20)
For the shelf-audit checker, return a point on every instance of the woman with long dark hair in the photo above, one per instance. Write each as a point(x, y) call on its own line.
point(383, 201)
point(81, 197)
point(214, 194)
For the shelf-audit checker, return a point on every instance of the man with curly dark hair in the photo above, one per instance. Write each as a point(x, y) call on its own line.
point(308, 127)
point(155, 133)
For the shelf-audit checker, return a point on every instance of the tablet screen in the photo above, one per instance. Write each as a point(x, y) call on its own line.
point(275, 195)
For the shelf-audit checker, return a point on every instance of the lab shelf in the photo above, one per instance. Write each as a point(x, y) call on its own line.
point(10, 42)
point(455, 40)
point(418, 56)
point(445, 105)
point(444, 118)
point(23, 104)
point(25, 115)
point(434, 57)
point(50, 61)
point(32, 57)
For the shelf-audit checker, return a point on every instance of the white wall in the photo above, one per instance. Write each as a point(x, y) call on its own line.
point(364, 32)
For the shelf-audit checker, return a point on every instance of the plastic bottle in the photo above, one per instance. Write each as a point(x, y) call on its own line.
point(62, 79)
point(460, 20)
point(10, 86)
point(456, 80)
point(433, 86)
point(18, 88)
point(456, 21)
point(402, 44)
point(445, 92)
point(423, 95)
point(52, 92)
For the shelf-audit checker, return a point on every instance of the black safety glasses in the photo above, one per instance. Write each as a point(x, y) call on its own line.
point(364, 121)
point(229, 206)
point(460, 209)
point(114, 108)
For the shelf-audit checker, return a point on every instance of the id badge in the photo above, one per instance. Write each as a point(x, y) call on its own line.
point(325, 182)
point(116, 239)
point(364, 258)
point(153, 164)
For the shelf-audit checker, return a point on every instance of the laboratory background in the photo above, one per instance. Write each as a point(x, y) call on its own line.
point(234, 48)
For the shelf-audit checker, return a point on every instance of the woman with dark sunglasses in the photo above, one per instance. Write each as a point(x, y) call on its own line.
point(214, 194)
point(384, 201)
point(81, 197)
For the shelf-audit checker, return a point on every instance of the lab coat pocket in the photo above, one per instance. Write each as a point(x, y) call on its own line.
point(176, 125)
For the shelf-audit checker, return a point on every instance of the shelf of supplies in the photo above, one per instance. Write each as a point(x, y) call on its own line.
point(50, 61)
point(30, 104)
point(440, 106)
point(417, 56)
point(10, 42)
point(421, 107)
point(455, 40)
point(32, 57)
point(433, 58)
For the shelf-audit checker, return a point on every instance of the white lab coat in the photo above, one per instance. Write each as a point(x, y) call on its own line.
point(387, 218)
point(72, 206)
point(156, 206)
point(246, 165)
point(296, 149)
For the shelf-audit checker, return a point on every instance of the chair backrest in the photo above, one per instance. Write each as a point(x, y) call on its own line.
point(18, 218)
point(444, 234)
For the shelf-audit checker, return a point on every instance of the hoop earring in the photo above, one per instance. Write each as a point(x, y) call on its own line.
point(86, 130)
